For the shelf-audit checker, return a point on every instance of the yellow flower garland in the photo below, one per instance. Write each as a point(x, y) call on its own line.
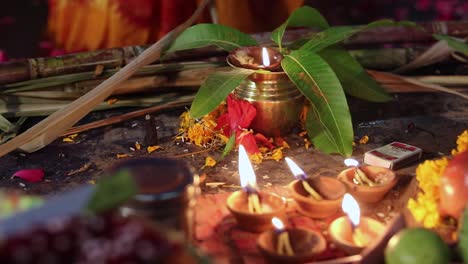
point(425, 207)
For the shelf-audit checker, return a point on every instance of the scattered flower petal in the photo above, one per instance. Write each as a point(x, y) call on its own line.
point(121, 156)
point(364, 140)
point(137, 146)
point(30, 175)
point(151, 149)
point(209, 162)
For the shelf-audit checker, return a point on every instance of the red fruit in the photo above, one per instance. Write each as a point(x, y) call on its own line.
point(454, 186)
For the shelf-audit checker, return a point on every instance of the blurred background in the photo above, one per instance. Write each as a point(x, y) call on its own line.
point(32, 28)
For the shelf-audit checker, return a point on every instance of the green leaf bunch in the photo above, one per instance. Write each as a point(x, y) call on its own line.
point(318, 66)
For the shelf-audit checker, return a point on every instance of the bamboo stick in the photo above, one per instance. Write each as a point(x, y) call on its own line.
point(50, 128)
point(27, 69)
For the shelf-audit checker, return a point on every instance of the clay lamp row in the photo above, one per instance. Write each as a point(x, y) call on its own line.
point(316, 196)
point(368, 184)
point(353, 232)
point(290, 245)
point(253, 209)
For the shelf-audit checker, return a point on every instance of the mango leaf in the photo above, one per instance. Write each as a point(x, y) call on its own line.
point(302, 17)
point(215, 89)
point(111, 191)
point(229, 145)
point(353, 76)
point(454, 43)
point(203, 35)
point(334, 35)
point(317, 81)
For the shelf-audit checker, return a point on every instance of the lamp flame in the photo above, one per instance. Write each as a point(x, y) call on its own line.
point(351, 162)
point(351, 208)
point(296, 171)
point(265, 57)
point(277, 223)
point(246, 171)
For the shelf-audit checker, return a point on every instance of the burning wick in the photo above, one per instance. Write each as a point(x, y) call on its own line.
point(360, 177)
point(265, 57)
point(283, 246)
point(248, 181)
point(300, 174)
point(351, 208)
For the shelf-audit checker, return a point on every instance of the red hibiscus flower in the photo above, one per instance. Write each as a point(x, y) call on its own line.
point(237, 120)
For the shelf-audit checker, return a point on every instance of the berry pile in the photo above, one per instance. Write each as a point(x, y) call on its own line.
point(95, 239)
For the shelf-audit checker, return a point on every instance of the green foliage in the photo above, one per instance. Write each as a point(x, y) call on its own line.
point(319, 67)
point(5, 125)
point(203, 35)
point(112, 191)
point(463, 236)
point(301, 17)
point(334, 35)
point(332, 130)
point(454, 43)
point(229, 145)
point(215, 89)
point(353, 76)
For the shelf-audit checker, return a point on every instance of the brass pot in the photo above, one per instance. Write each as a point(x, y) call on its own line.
point(277, 100)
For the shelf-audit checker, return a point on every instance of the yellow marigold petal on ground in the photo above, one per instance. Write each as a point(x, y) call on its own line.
point(121, 156)
point(111, 101)
point(256, 158)
point(151, 149)
point(462, 143)
point(73, 136)
point(285, 144)
point(303, 133)
point(354, 144)
point(277, 154)
point(68, 139)
point(307, 143)
point(364, 140)
point(209, 162)
point(263, 149)
point(137, 145)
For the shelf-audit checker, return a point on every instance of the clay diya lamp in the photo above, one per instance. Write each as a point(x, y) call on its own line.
point(353, 232)
point(253, 209)
point(290, 245)
point(367, 184)
point(256, 58)
point(317, 197)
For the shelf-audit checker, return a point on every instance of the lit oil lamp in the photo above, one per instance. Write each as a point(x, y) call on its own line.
point(368, 184)
point(318, 196)
point(290, 245)
point(253, 209)
point(354, 232)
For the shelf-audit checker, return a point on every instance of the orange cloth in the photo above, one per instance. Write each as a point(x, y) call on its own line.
point(93, 24)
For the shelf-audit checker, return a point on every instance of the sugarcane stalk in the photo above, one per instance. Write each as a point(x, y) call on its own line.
point(45, 109)
point(76, 77)
point(51, 127)
point(28, 69)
